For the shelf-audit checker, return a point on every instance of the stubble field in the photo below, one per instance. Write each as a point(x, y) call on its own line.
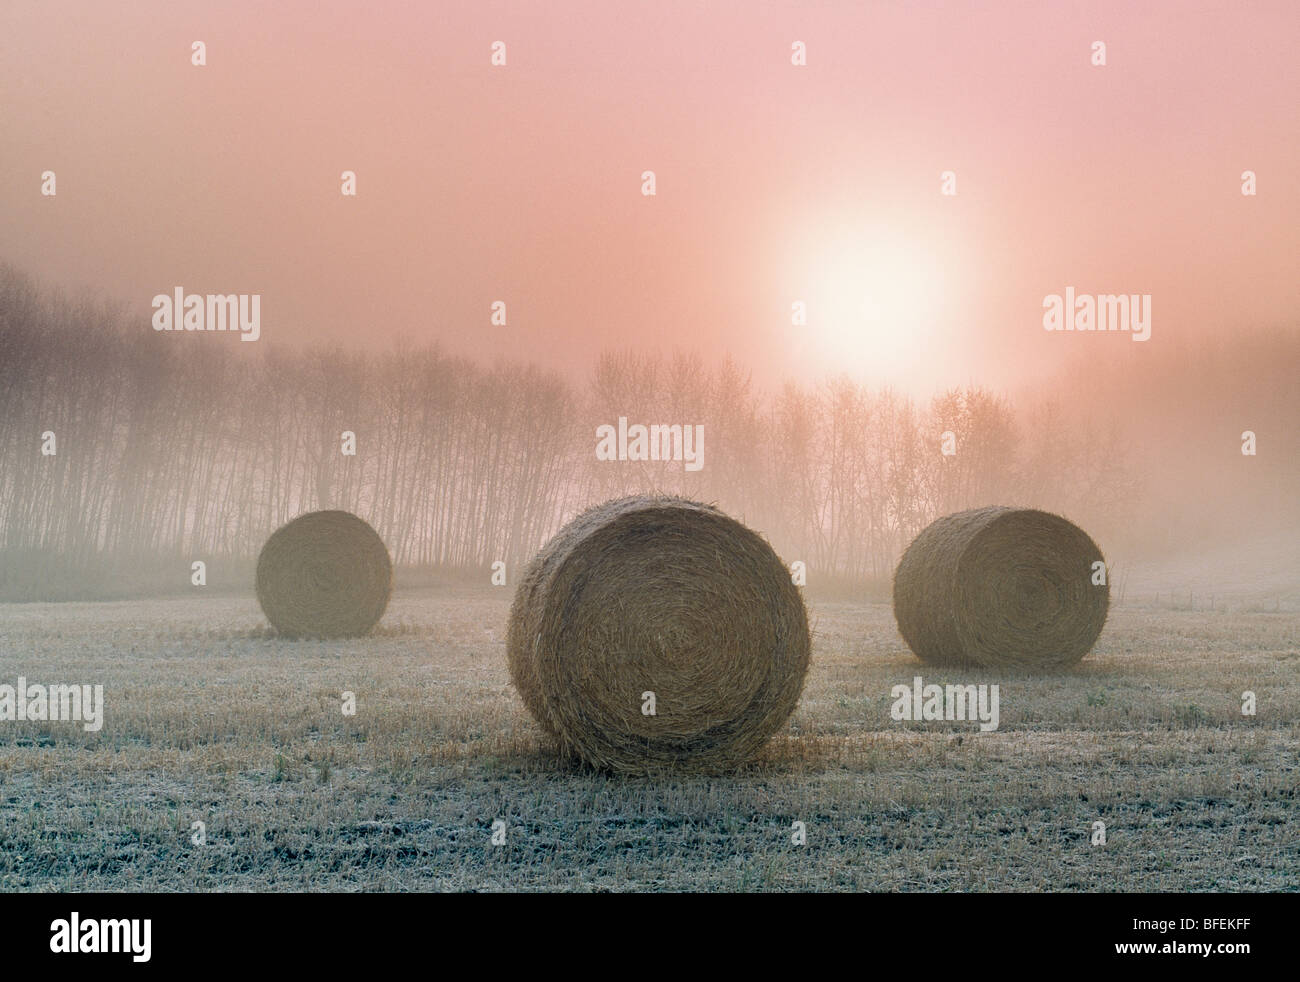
point(209, 719)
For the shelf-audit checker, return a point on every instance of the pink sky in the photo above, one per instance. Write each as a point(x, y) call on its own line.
point(775, 183)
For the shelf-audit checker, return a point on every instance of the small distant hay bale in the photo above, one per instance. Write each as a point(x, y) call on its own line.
point(1000, 587)
point(667, 596)
point(326, 574)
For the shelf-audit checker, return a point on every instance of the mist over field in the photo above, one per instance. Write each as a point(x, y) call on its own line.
point(171, 450)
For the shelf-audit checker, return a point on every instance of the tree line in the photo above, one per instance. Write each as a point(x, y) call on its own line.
point(196, 448)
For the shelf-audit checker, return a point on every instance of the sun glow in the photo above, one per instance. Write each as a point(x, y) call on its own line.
point(876, 304)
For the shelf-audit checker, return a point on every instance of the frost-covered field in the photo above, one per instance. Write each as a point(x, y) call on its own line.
point(210, 720)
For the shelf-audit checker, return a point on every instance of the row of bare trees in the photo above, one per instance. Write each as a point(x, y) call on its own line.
point(196, 447)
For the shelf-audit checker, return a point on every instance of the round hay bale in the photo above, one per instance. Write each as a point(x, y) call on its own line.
point(1000, 587)
point(666, 596)
point(326, 574)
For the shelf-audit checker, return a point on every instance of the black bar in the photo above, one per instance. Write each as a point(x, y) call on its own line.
point(329, 932)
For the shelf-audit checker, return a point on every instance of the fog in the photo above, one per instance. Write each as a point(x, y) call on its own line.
point(776, 186)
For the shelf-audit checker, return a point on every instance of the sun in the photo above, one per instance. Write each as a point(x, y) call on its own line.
point(876, 302)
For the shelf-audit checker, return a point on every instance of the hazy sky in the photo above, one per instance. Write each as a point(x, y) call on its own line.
point(776, 183)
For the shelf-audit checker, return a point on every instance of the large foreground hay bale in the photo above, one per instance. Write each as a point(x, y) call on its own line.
point(1000, 587)
point(326, 574)
point(659, 595)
